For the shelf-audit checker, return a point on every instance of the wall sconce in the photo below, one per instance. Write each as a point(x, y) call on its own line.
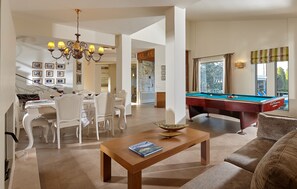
point(239, 65)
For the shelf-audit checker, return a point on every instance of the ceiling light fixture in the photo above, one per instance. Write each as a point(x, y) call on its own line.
point(76, 49)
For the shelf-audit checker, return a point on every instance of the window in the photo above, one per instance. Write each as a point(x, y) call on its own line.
point(282, 82)
point(212, 76)
point(261, 79)
point(272, 73)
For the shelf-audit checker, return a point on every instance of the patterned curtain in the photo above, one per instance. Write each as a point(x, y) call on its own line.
point(270, 55)
point(279, 54)
point(195, 74)
point(228, 58)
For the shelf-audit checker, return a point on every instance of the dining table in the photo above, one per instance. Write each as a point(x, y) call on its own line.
point(35, 109)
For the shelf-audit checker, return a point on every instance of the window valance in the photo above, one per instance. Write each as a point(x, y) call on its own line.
point(270, 55)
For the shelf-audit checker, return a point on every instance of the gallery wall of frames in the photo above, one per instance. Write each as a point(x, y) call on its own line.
point(53, 73)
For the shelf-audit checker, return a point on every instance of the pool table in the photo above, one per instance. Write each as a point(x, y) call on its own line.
point(243, 107)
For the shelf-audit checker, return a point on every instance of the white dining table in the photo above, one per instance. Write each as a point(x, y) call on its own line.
point(32, 112)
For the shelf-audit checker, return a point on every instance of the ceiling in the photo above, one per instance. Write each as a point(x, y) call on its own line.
point(129, 16)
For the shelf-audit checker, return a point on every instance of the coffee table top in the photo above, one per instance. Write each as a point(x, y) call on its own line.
point(118, 149)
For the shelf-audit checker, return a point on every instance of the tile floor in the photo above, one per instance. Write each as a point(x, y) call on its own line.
point(76, 166)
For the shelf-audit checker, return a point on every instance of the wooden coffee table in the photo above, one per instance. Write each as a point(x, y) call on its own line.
point(117, 149)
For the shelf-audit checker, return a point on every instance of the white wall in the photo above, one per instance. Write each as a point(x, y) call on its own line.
point(27, 25)
point(113, 77)
point(89, 77)
point(240, 38)
point(7, 73)
point(154, 33)
point(292, 34)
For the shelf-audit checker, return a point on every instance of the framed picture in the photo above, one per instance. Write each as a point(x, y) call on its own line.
point(60, 66)
point(37, 81)
point(49, 81)
point(36, 73)
point(78, 66)
point(60, 73)
point(60, 81)
point(49, 66)
point(163, 72)
point(49, 73)
point(37, 65)
point(78, 79)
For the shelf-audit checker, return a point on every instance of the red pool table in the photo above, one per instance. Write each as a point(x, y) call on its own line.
point(243, 107)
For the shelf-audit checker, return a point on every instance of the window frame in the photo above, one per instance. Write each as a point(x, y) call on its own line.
point(275, 75)
point(275, 81)
point(256, 79)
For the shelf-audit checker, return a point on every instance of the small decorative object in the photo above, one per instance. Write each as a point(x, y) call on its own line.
point(145, 148)
point(171, 129)
point(49, 81)
point(49, 66)
point(49, 73)
point(60, 66)
point(36, 73)
point(37, 81)
point(37, 65)
point(60, 73)
point(61, 81)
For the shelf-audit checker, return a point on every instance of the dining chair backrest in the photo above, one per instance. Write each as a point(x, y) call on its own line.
point(68, 107)
point(104, 104)
point(122, 94)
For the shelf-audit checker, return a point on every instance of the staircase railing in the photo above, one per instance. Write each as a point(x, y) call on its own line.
point(22, 87)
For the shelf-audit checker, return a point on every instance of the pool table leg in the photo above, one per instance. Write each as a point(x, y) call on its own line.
point(247, 119)
point(195, 110)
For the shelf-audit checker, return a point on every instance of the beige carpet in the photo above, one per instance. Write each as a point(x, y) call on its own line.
point(76, 166)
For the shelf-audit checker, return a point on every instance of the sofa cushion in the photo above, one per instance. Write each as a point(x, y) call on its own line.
point(224, 175)
point(250, 154)
point(278, 168)
point(274, 127)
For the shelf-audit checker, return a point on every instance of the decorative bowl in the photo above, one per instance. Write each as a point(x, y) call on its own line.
point(171, 127)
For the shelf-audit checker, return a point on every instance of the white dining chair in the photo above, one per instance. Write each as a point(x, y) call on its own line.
point(120, 109)
point(46, 114)
point(68, 110)
point(104, 111)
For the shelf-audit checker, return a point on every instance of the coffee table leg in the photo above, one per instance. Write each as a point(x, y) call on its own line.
point(105, 167)
point(205, 154)
point(134, 180)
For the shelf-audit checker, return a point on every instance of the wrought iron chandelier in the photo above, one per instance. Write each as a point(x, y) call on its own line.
point(76, 49)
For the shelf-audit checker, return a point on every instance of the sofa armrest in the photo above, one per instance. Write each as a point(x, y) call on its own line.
point(274, 127)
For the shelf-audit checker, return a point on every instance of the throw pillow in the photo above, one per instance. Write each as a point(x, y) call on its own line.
point(278, 168)
point(274, 127)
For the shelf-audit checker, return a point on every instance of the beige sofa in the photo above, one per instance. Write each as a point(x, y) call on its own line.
point(267, 162)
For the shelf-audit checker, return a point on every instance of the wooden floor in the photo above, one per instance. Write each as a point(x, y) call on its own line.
point(76, 166)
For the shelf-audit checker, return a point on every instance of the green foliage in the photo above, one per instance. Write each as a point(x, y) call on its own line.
point(212, 77)
point(282, 81)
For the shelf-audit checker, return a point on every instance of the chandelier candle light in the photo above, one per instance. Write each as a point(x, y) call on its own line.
point(76, 49)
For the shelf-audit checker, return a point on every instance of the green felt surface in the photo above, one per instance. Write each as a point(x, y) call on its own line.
point(249, 98)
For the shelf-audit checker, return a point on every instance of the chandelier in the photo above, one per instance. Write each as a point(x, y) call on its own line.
point(76, 49)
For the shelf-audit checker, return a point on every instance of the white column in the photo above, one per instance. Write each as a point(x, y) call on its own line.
point(175, 65)
point(97, 78)
point(123, 44)
point(92, 77)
